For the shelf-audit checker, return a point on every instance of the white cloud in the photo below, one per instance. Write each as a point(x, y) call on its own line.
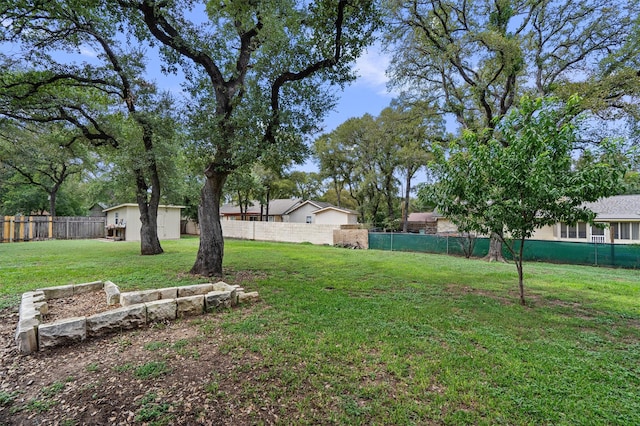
point(371, 69)
point(88, 51)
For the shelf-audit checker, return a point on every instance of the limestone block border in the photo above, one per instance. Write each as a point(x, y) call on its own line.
point(138, 309)
point(34, 304)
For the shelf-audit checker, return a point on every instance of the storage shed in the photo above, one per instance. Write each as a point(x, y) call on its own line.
point(333, 215)
point(123, 222)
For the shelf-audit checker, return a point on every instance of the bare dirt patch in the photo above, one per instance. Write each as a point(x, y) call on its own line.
point(173, 373)
point(181, 372)
point(79, 305)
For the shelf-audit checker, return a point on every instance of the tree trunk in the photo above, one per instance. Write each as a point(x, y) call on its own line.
point(149, 241)
point(148, 205)
point(495, 249)
point(520, 272)
point(389, 188)
point(52, 202)
point(268, 200)
point(520, 281)
point(407, 195)
point(211, 251)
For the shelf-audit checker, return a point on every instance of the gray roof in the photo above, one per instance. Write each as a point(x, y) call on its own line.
point(317, 204)
point(332, 207)
point(277, 207)
point(421, 217)
point(617, 207)
point(280, 206)
point(235, 209)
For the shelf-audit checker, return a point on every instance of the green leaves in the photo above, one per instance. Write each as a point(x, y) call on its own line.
point(524, 180)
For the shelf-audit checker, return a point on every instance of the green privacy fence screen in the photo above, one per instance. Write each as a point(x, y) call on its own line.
point(624, 256)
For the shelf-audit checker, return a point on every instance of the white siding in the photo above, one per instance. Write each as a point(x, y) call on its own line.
point(171, 223)
point(300, 214)
point(544, 233)
point(335, 217)
point(277, 231)
point(168, 221)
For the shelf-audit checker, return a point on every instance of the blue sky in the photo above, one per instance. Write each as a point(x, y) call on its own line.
point(368, 94)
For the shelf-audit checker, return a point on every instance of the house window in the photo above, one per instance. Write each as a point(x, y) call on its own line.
point(597, 231)
point(626, 230)
point(582, 230)
point(309, 219)
point(578, 230)
point(615, 226)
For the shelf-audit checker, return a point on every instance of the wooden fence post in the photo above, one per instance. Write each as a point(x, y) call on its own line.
point(32, 230)
point(21, 225)
point(6, 228)
point(12, 228)
point(50, 231)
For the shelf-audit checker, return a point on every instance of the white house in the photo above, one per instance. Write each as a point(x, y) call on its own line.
point(332, 215)
point(293, 210)
point(303, 212)
point(620, 216)
point(123, 222)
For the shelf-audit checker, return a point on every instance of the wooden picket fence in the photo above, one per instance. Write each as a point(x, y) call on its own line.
point(37, 228)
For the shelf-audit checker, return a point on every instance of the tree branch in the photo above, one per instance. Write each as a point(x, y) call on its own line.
point(291, 76)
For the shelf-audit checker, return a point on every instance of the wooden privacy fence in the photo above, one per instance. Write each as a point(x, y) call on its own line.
point(34, 228)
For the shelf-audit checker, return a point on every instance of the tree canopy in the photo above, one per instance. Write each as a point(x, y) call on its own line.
point(475, 59)
point(364, 157)
point(107, 100)
point(257, 74)
point(528, 184)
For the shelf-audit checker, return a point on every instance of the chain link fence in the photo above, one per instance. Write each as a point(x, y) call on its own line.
point(616, 255)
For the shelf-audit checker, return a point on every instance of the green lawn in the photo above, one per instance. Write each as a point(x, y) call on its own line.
point(373, 337)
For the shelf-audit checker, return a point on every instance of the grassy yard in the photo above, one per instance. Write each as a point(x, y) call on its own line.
point(372, 337)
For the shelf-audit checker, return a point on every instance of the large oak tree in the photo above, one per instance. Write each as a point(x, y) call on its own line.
point(44, 157)
point(258, 73)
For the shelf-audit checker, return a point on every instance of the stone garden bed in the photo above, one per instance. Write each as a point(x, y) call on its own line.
point(39, 329)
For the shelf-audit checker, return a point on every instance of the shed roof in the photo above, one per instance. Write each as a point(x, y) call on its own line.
point(421, 217)
point(316, 204)
point(339, 209)
point(164, 206)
